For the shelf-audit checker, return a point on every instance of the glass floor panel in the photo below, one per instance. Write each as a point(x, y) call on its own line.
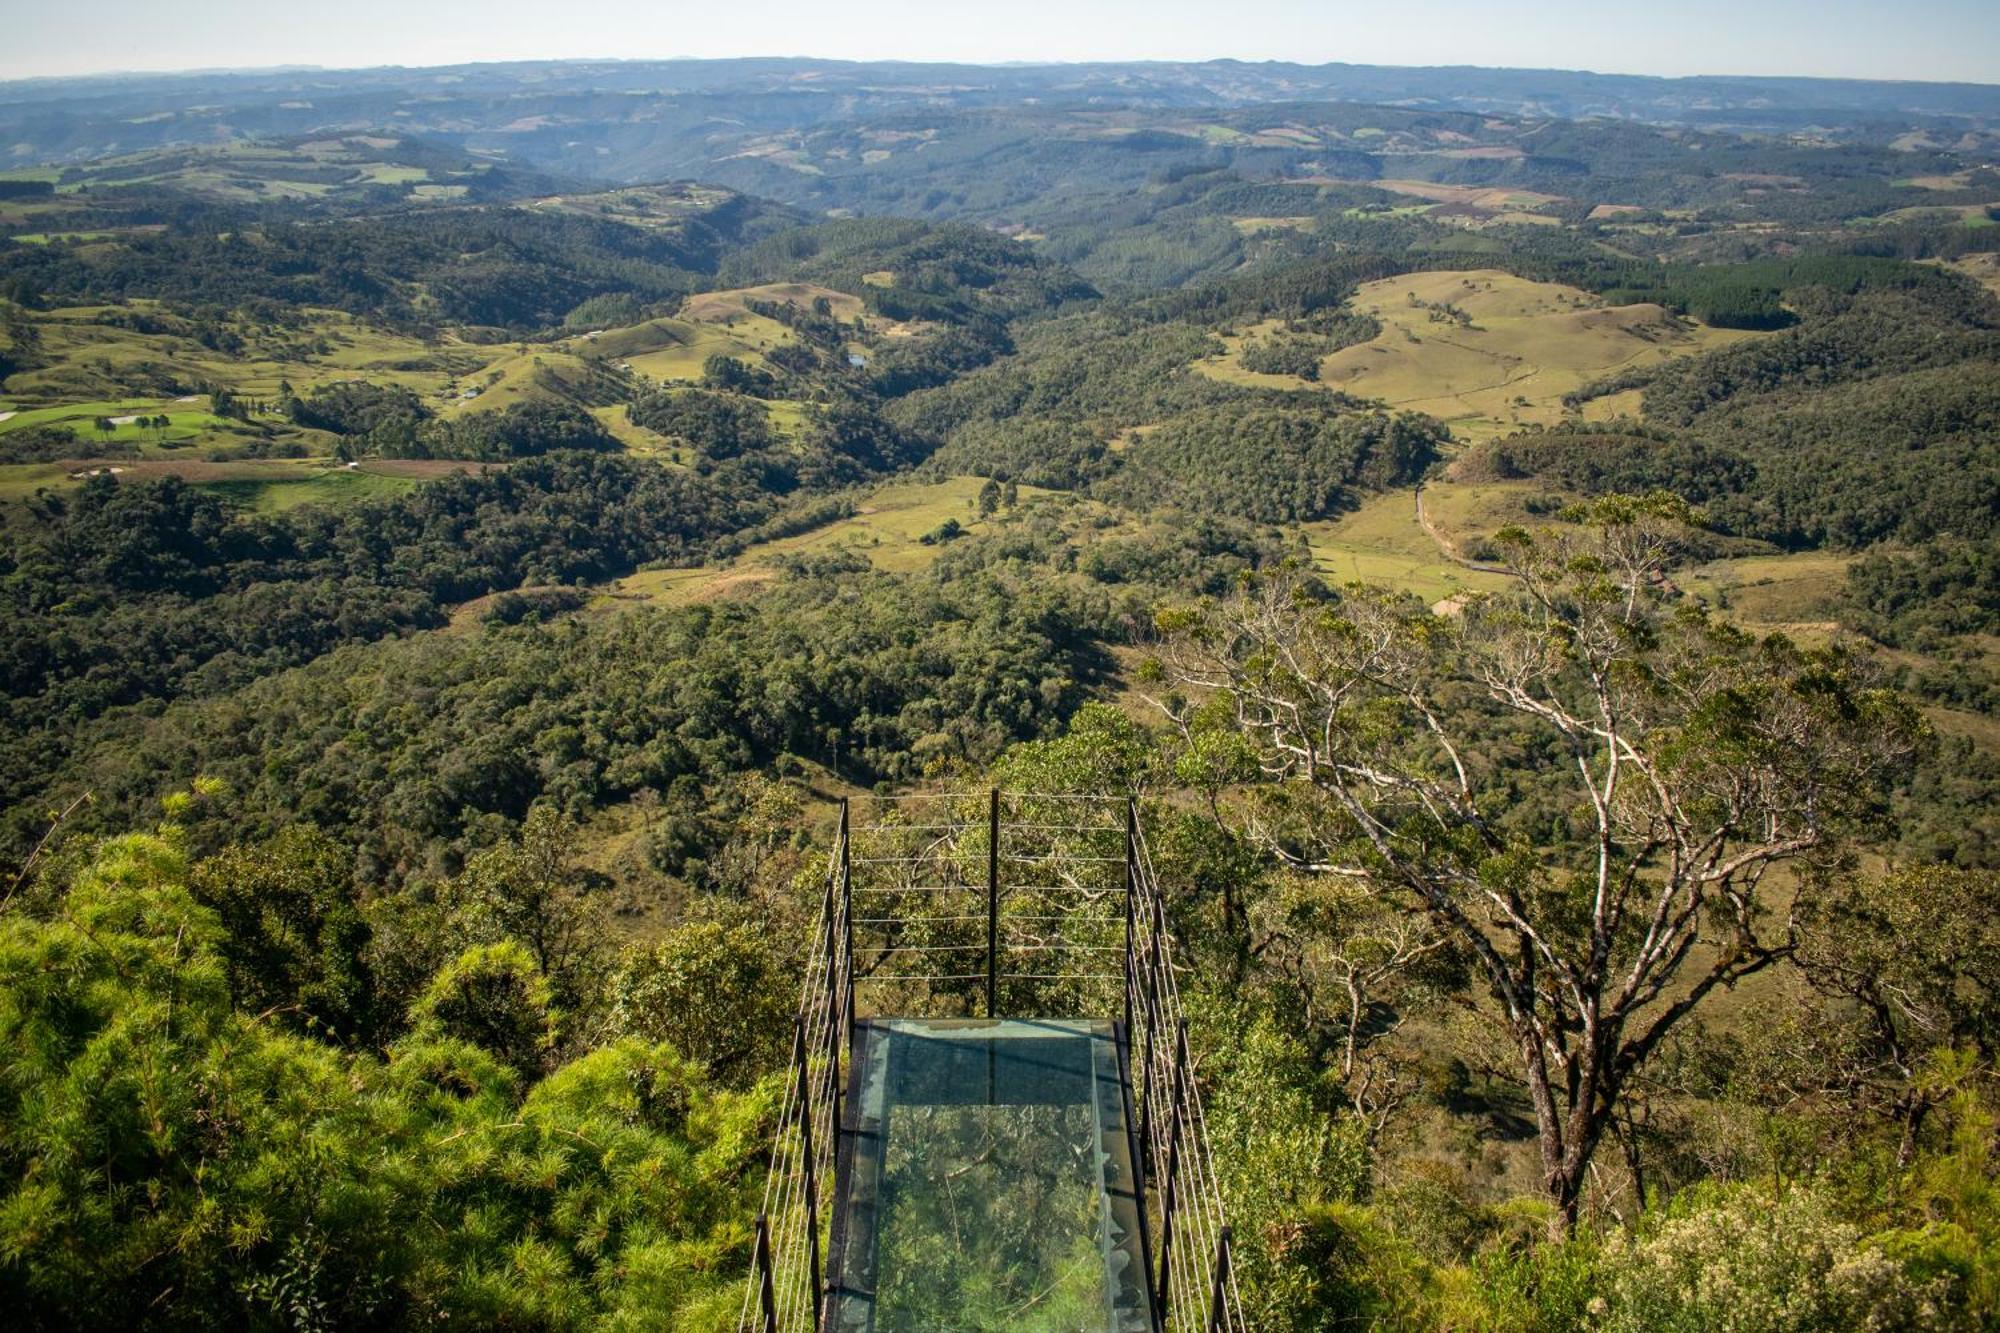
point(990, 1182)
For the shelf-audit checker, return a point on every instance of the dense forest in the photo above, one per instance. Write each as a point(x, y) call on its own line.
point(1535, 575)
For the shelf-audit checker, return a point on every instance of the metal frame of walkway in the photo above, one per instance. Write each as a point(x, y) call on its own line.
point(995, 906)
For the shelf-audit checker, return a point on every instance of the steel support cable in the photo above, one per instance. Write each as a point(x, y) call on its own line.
point(1200, 1223)
point(784, 1201)
point(1196, 1255)
point(920, 888)
point(793, 1216)
point(1208, 1192)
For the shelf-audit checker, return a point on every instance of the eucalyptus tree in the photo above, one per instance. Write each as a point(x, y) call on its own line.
point(1585, 782)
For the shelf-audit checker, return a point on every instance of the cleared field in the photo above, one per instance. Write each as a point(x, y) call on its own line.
point(718, 307)
point(675, 349)
point(1525, 345)
point(90, 356)
point(1382, 542)
point(1251, 226)
point(1795, 594)
point(265, 485)
point(44, 237)
point(887, 529)
point(1982, 268)
point(251, 171)
point(1482, 197)
point(318, 485)
point(522, 376)
point(185, 421)
point(658, 206)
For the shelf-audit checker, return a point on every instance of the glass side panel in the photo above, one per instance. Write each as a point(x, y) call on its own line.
point(990, 1184)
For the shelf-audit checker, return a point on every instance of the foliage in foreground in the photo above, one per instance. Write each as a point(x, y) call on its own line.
point(168, 1159)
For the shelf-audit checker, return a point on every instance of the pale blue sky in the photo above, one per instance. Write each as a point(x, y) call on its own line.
point(1913, 39)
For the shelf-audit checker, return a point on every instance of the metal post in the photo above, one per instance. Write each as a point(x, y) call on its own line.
point(993, 902)
point(813, 1272)
point(1173, 1167)
point(1218, 1304)
point(847, 918)
point(1149, 1091)
point(830, 943)
point(764, 1273)
point(1131, 878)
point(835, 900)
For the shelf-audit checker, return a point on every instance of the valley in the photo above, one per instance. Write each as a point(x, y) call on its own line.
point(1523, 543)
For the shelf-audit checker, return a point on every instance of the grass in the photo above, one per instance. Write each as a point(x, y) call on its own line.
point(1529, 343)
point(1382, 542)
point(20, 481)
point(44, 237)
point(887, 529)
point(92, 367)
point(89, 361)
point(1981, 268)
point(246, 172)
point(317, 485)
point(185, 422)
point(263, 485)
point(1795, 594)
point(716, 307)
point(1252, 226)
point(521, 376)
point(667, 205)
point(676, 349)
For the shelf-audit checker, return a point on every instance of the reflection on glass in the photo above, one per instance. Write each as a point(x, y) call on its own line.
point(991, 1182)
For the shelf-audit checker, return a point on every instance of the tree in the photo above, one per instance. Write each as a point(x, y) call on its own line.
point(533, 891)
point(168, 1161)
point(714, 992)
point(494, 997)
point(1908, 967)
point(1585, 784)
point(294, 940)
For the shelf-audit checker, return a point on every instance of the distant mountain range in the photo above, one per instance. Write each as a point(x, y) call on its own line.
point(610, 119)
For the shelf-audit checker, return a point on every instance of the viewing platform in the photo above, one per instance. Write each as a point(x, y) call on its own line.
point(992, 1122)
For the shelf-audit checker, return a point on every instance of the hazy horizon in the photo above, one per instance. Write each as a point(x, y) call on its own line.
point(308, 67)
point(1942, 41)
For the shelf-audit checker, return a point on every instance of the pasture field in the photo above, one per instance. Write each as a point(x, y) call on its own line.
point(94, 365)
point(636, 439)
point(1384, 540)
point(274, 492)
point(255, 171)
point(522, 374)
point(1525, 345)
point(887, 528)
point(263, 485)
point(723, 306)
point(1480, 198)
point(187, 420)
point(653, 206)
point(44, 237)
point(1381, 542)
point(1251, 226)
point(675, 349)
point(1795, 594)
point(1982, 268)
point(88, 356)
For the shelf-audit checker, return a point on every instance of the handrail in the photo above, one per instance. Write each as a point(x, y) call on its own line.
point(1185, 1242)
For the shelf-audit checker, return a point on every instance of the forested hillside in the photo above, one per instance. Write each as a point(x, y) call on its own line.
point(1534, 571)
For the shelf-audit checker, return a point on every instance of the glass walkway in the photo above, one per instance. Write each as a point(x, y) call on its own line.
point(1041, 1169)
point(988, 1182)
